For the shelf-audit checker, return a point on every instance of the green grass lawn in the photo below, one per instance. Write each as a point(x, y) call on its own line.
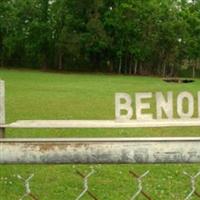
point(37, 95)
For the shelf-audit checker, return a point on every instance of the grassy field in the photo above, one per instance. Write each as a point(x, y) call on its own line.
point(37, 95)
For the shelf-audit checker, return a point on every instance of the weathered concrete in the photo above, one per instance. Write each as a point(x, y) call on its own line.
point(103, 123)
point(2, 108)
point(92, 151)
point(165, 104)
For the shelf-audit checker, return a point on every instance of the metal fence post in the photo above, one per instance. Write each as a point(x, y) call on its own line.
point(2, 108)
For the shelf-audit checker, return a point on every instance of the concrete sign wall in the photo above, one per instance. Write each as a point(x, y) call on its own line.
point(126, 106)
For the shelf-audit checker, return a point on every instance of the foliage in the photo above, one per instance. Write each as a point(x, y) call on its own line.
point(129, 37)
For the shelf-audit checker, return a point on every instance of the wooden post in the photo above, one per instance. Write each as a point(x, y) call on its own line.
point(2, 108)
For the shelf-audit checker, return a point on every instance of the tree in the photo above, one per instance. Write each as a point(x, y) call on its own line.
point(121, 36)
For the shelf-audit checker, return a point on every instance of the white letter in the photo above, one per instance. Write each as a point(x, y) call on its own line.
point(123, 106)
point(180, 110)
point(164, 105)
point(141, 106)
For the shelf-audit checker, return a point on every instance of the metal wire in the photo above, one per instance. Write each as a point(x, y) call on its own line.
point(85, 182)
point(147, 196)
point(140, 191)
point(140, 187)
point(89, 193)
point(27, 187)
point(193, 185)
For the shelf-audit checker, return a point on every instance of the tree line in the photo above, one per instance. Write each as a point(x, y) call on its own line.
point(160, 37)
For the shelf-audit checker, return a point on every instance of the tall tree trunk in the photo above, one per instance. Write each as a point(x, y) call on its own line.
point(198, 64)
point(172, 71)
point(44, 62)
point(164, 69)
point(2, 62)
point(141, 68)
point(159, 67)
point(193, 71)
point(44, 44)
point(126, 64)
point(120, 65)
point(60, 61)
point(135, 67)
point(111, 67)
point(130, 65)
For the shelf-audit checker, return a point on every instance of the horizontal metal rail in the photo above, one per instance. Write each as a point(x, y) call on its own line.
point(100, 150)
point(102, 123)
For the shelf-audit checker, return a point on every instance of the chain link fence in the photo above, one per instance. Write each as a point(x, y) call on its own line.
point(138, 191)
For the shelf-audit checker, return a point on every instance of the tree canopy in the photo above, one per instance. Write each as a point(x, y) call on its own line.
point(118, 36)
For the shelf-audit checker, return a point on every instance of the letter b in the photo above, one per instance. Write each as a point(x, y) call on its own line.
point(119, 106)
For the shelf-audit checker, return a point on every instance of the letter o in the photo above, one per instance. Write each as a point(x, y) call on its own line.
point(180, 110)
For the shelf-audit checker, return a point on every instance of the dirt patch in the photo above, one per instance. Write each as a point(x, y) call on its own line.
point(178, 80)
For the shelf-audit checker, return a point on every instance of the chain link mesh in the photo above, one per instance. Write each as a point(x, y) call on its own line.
point(139, 190)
